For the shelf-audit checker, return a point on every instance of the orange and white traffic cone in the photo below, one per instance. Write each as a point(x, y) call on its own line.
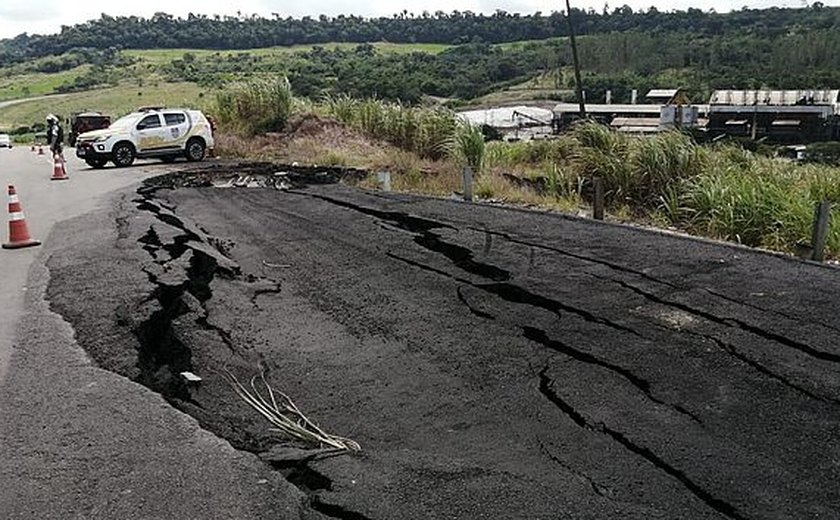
point(59, 172)
point(18, 230)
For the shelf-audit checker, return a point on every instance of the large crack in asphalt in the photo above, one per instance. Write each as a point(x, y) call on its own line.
point(729, 348)
point(541, 337)
point(463, 258)
point(334, 510)
point(546, 388)
point(162, 355)
point(612, 265)
point(642, 274)
point(784, 315)
point(733, 351)
point(735, 323)
point(201, 272)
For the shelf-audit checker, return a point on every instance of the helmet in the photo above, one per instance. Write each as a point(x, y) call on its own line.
point(52, 119)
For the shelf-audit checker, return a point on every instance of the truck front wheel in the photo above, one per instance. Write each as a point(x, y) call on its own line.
point(123, 155)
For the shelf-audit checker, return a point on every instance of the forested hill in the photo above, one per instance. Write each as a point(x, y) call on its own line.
point(242, 32)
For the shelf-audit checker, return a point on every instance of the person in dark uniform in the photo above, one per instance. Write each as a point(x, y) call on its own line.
point(55, 136)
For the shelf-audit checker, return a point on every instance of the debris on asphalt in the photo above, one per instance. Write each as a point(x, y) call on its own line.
point(279, 409)
point(191, 378)
point(276, 266)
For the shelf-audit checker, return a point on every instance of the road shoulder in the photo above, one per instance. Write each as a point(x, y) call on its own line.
point(81, 442)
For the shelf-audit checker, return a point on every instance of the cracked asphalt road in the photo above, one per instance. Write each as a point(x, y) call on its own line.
point(492, 363)
point(79, 442)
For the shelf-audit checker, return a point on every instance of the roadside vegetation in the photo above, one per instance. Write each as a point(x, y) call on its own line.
point(719, 191)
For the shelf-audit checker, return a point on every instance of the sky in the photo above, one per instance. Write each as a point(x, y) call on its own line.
point(47, 16)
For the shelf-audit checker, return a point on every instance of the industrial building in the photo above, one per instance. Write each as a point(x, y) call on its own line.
point(781, 116)
point(665, 109)
point(513, 123)
point(787, 116)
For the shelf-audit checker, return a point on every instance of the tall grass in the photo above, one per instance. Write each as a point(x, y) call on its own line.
point(466, 147)
point(256, 106)
point(424, 131)
point(537, 153)
point(722, 192)
point(637, 171)
point(759, 201)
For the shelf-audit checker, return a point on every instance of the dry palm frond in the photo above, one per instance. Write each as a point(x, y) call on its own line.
point(276, 266)
point(285, 415)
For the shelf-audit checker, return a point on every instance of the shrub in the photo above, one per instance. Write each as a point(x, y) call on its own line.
point(823, 153)
point(255, 106)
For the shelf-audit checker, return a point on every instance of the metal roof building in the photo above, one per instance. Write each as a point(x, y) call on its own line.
point(782, 115)
point(668, 96)
point(775, 97)
point(616, 109)
point(514, 122)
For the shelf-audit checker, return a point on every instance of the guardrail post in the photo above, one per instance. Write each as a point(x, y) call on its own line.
point(385, 180)
point(819, 235)
point(468, 183)
point(598, 203)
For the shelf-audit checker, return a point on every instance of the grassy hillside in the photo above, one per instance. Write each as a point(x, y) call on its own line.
point(115, 101)
point(23, 81)
point(29, 84)
point(464, 56)
point(164, 56)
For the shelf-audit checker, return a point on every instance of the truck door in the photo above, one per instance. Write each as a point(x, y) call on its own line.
point(177, 128)
point(150, 133)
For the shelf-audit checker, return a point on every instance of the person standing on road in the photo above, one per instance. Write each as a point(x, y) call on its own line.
point(55, 136)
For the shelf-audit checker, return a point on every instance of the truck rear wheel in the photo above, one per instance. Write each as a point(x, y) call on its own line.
point(195, 150)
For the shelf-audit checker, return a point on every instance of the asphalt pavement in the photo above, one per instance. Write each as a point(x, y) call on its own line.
point(491, 362)
point(77, 441)
point(44, 203)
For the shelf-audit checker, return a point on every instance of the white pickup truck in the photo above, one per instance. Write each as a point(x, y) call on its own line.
point(161, 133)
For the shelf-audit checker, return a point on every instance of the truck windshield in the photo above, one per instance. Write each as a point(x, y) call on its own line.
point(125, 121)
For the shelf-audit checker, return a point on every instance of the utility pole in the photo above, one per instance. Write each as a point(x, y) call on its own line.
point(578, 83)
